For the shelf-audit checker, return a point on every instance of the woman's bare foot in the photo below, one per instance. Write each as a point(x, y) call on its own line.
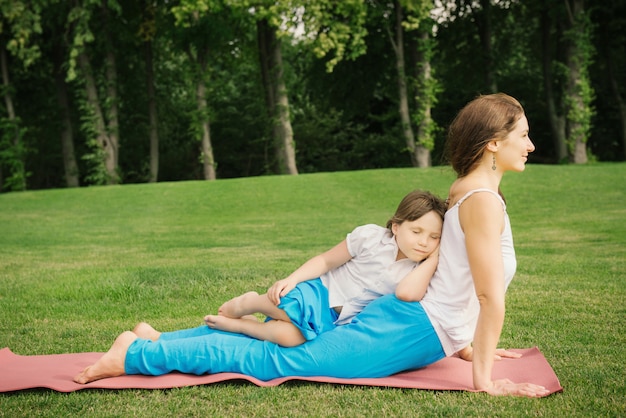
point(111, 364)
point(145, 331)
point(239, 306)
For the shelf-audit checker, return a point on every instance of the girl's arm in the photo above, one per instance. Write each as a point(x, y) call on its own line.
point(413, 286)
point(312, 269)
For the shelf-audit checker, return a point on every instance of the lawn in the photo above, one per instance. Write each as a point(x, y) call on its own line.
point(78, 266)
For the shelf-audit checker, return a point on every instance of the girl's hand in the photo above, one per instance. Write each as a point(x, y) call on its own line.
point(279, 289)
point(507, 387)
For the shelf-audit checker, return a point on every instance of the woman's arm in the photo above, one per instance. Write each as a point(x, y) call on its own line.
point(482, 220)
point(315, 267)
point(413, 286)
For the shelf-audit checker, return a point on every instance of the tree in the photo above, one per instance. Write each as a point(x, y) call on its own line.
point(147, 32)
point(59, 51)
point(411, 16)
point(101, 114)
point(579, 93)
point(553, 99)
point(277, 100)
point(610, 20)
point(19, 24)
point(207, 30)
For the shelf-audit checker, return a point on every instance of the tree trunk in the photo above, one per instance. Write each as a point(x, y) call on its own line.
point(100, 131)
point(484, 32)
point(276, 98)
point(424, 99)
point(286, 149)
point(578, 115)
point(152, 115)
point(113, 130)
point(264, 36)
point(17, 171)
point(617, 96)
point(557, 121)
point(208, 162)
point(199, 60)
point(67, 132)
point(403, 101)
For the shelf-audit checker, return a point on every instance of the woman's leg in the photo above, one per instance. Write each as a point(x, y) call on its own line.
point(389, 336)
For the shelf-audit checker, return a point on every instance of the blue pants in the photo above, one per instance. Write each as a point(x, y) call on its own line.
point(388, 337)
point(308, 308)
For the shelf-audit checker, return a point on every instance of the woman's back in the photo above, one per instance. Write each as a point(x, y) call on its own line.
point(451, 301)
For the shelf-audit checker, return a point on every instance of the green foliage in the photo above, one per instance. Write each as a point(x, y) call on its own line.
point(355, 104)
point(20, 23)
point(81, 265)
point(13, 154)
point(334, 29)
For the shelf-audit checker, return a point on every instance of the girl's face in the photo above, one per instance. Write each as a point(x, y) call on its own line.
point(513, 151)
point(419, 238)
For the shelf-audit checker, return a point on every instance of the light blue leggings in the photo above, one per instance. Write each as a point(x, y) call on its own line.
point(388, 337)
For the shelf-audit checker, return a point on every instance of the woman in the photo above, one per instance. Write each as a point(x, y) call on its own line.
point(462, 311)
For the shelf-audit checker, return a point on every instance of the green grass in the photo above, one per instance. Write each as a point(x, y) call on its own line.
point(79, 266)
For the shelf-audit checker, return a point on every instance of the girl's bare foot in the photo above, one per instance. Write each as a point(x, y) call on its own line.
point(111, 364)
point(237, 307)
point(145, 331)
point(224, 323)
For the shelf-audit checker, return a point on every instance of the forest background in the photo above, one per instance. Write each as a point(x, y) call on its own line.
point(129, 91)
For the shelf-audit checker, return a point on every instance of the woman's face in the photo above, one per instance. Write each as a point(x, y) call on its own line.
point(513, 151)
point(419, 238)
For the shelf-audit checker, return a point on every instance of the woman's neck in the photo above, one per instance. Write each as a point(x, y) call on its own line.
point(480, 178)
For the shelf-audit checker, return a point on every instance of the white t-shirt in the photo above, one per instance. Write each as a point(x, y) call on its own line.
point(372, 272)
point(450, 301)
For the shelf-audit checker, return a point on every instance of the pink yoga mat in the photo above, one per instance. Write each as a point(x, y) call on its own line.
point(55, 371)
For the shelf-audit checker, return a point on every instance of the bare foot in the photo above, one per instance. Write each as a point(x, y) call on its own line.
point(145, 331)
point(111, 364)
point(236, 307)
point(224, 323)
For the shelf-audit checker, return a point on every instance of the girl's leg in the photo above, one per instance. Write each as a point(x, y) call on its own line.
point(279, 332)
point(250, 303)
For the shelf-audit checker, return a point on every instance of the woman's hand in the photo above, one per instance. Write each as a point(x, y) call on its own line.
point(507, 387)
point(467, 354)
point(502, 353)
point(279, 289)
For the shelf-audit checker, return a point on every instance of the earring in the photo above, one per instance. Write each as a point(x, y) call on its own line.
point(493, 166)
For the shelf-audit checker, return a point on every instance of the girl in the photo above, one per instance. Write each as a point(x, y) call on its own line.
point(331, 288)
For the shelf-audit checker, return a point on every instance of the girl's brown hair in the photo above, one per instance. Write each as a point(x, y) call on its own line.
point(483, 119)
point(415, 205)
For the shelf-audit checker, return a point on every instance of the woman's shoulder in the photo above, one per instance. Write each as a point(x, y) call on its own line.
point(462, 191)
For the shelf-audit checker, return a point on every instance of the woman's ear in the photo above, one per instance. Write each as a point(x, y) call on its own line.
point(492, 146)
point(394, 228)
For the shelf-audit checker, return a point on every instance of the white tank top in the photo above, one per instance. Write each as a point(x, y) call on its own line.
point(451, 302)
